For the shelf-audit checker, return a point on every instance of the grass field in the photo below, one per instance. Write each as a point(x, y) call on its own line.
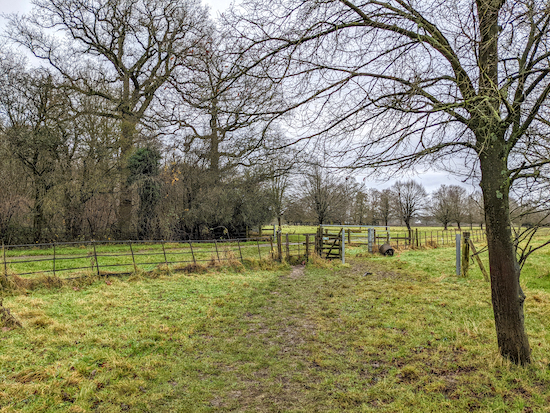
point(377, 334)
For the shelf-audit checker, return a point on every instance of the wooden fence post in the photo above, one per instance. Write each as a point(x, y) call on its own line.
point(307, 247)
point(53, 258)
point(465, 254)
point(349, 235)
point(272, 250)
point(416, 236)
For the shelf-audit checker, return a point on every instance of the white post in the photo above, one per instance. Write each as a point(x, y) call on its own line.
point(458, 254)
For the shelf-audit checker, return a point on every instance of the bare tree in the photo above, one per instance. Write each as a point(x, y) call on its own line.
point(324, 194)
point(419, 88)
point(410, 199)
point(384, 208)
point(364, 206)
point(441, 207)
point(448, 204)
point(120, 51)
point(218, 113)
point(457, 198)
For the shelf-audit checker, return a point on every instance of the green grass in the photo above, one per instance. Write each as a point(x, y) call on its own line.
point(377, 334)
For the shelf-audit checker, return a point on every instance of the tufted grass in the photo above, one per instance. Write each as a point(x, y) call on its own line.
point(376, 334)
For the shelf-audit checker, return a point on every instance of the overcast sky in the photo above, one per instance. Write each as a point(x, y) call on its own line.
point(431, 179)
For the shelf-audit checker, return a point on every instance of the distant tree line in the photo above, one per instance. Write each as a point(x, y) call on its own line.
point(324, 198)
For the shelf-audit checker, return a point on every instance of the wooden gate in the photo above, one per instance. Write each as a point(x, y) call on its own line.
point(329, 243)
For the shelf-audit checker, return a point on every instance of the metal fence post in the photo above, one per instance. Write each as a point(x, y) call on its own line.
point(287, 241)
point(5, 262)
point(240, 252)
point(217, 252)
point(133, 258)
point(164, 252)
point(458, 254)
point(193, 253)
point(96, 261)
point(53, 244)
point(279, 246)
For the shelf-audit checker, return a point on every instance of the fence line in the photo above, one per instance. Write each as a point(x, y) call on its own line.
point(123, 257)
point(119, 257)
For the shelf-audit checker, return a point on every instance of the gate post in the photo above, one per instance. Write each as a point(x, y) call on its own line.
point(458, 254)
point(343, 252)
point(465, 254)
point(370, 238)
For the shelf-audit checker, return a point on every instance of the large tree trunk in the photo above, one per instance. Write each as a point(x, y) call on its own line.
point(38, 216)
point(214, 149)
point(128, 128)
point(507, 295)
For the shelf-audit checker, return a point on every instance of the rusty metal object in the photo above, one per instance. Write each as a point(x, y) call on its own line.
point(386, 249)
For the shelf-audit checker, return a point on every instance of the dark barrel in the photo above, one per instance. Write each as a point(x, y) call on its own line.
point(386, 249)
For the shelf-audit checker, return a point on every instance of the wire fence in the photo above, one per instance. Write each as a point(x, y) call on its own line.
point(437, 238)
